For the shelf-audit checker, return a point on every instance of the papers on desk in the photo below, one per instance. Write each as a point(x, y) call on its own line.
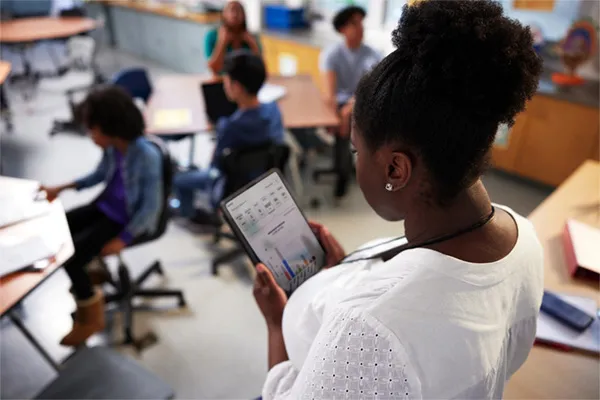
point(26, 253)
point(33, 241)
point(552, 331)
point(581, 248)
point(270, 93)
point(168, 118)
point(21, 208)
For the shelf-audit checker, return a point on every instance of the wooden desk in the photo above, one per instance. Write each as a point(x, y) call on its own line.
point(41, 28)
point(15, 287)
point(4, 70)
point(550, 373)
point(301, 107)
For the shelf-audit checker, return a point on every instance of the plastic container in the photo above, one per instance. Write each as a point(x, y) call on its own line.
point(282, 17)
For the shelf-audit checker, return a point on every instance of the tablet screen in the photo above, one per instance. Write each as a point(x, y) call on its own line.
point(275, 229)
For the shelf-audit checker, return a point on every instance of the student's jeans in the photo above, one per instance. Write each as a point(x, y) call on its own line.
point(187, 183)
point(90, 230)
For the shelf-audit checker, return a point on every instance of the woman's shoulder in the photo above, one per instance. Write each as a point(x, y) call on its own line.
point(212, 34)
point(148, 150)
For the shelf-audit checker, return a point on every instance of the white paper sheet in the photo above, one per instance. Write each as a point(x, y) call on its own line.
point(270, 93)
point(17, 209)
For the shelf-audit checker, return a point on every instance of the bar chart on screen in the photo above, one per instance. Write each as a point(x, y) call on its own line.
point(276, 230)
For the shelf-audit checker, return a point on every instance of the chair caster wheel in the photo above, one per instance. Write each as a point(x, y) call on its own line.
point(148, 340)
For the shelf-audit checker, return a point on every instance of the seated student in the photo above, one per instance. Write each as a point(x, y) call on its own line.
point(252, 124)
point(344, 64)
point(131, 168)
point(231, 35)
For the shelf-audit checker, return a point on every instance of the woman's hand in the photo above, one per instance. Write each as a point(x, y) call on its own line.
point(271, 298)
point(249, 39)
point(52, 192)
point(224, 36)
point(333, 249)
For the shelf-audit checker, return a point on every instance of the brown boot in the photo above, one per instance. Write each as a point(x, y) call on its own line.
point(89, 319)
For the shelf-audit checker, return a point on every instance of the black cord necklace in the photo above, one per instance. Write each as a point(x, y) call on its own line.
point(391, 253)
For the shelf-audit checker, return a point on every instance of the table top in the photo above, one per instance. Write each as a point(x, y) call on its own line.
point(41, 28)
point(301, 107)
point(4, 70)
point(551, 373)
point(15, 287)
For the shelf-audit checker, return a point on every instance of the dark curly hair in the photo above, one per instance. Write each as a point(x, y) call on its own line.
point(113, 111)
point(460, 69)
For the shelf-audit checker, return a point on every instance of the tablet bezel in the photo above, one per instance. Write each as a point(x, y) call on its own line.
point(238, 232)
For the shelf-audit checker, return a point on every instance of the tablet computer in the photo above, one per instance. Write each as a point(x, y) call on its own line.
point(266, 219)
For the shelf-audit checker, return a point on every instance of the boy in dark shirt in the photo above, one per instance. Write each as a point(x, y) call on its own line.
point(252, 124)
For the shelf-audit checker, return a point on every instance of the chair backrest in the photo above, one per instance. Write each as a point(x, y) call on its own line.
point(135, 81)
point(168, 170)
point(27, 8)
point(72, 12)
point(241, 166)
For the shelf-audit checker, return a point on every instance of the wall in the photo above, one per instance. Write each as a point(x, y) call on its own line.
point(554, 24)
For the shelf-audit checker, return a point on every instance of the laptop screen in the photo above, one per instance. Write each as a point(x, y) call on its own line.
point(217, 103)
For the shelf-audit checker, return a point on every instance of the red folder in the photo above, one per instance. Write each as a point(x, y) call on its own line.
point(582, 249)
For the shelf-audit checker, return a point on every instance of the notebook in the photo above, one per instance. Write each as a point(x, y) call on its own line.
point(552, 331)
point(581, 248)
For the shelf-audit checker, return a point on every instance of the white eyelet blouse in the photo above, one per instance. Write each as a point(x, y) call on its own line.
point(422, 325)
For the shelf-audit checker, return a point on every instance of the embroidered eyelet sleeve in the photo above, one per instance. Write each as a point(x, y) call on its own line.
point(353, 356)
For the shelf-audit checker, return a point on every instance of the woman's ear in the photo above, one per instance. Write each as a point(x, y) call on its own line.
point(399, 171)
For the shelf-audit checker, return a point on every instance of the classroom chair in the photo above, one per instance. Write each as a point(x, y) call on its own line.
point(239, 167)
point(134, 80)
point(126, 288)
point(102, 373)
point(14, 9)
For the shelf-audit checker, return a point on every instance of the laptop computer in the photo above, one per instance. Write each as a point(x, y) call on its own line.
point(216, 101)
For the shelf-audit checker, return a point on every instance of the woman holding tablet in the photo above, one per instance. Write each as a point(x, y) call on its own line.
point(452, 313)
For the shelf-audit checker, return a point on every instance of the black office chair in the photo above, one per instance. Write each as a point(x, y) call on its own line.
point(127, 288)
point(239, 167)
point(102, 373)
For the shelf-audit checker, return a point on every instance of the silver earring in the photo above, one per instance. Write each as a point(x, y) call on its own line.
point(388, 187)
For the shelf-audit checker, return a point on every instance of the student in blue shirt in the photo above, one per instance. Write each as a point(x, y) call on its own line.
point(129, 206)
point(252, 124)
point(230, 36)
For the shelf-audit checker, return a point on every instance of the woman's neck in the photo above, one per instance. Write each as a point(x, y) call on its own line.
point(425, 221)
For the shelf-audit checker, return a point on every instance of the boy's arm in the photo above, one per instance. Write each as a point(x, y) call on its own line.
point(224, 133)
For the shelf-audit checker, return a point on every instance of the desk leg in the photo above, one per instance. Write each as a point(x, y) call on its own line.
point(192, 152)
point(17, 321)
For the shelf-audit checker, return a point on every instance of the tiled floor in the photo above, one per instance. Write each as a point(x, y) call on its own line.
point(216, 348)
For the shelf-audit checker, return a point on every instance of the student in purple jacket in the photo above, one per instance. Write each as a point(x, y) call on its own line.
point(131, 169)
